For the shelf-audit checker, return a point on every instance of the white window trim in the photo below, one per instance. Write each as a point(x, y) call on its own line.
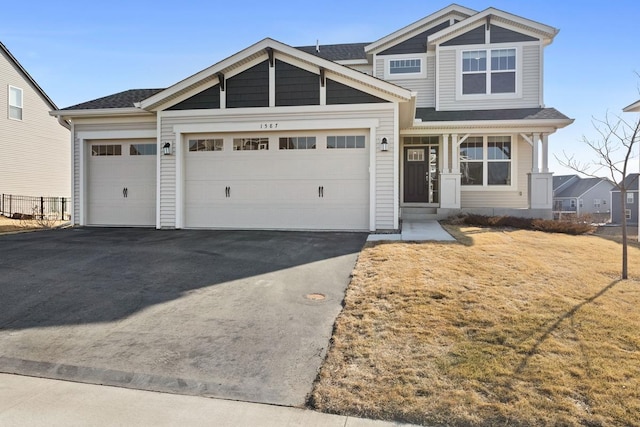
point(404, 76)
point(485, 161)
point(489, 96)
point(9, 103)
point(630, 198)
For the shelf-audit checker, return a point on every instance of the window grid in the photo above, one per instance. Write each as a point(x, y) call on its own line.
point(298, 143)
point(421, 140)
point(143, 149)
point(405, 66)
point(106, 150)
point(627, 213)
point(629, 198)
point(250, 144)
point(346, 142)
point(498, 77)
point(197, 145)
point(486, 161)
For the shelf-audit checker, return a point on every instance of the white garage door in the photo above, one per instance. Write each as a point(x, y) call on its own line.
point(122, 183)
point(302, 181)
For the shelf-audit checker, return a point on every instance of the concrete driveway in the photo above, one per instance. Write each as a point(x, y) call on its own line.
point(229, 314)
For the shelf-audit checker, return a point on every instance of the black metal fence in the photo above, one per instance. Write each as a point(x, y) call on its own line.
point(28, 207)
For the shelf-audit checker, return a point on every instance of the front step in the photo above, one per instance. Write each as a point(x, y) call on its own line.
point(417, 214)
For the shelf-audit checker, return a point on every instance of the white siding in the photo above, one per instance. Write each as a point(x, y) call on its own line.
point(36, 151)
point(449, 74)
point(102, 126)
point(384, 161)
point(518, 198)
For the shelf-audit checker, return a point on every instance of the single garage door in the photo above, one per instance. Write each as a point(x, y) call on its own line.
point(315, 181)
point(122, 183)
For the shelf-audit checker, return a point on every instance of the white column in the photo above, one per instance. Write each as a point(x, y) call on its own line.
point(455, 161)
point(535, 168)
point(545, 153)
point(445, 153)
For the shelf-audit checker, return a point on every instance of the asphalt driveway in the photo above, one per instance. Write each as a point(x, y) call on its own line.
point(230, 314)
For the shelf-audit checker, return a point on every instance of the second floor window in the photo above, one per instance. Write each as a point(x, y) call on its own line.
point(15, 103)
point(488, 71)
point(405, 66)
point(629, 198)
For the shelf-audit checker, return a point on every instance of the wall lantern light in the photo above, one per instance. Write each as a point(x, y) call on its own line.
point(384, 145)
point(166, 148)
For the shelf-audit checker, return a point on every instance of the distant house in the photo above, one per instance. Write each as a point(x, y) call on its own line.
point(582, 196)
point(631, 201)
point(36, 147)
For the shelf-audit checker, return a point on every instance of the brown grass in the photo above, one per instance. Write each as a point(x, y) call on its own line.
point(8, 225)
point(517, 328)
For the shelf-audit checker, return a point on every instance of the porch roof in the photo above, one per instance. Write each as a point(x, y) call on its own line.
point(431, 115)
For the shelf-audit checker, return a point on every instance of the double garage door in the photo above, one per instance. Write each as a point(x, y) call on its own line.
point(305, 181)
point(288, 181)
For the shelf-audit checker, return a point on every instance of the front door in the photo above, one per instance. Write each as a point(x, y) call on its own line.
point(421, 174)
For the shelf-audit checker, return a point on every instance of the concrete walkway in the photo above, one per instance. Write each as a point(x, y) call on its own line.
point(34, 402)
point(416, 231)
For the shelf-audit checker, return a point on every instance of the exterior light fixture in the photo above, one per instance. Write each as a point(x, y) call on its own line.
point(166, 148)
point(384, 145)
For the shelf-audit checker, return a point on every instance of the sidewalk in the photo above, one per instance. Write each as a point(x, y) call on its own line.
point(416, 231)
point(33, 402)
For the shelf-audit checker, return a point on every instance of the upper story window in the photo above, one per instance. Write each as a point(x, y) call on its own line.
point(15, 103)
point(483, 76)
point(405, 66)
point(629, 198)
point(486, 160)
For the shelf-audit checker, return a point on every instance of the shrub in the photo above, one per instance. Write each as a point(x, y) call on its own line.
point(546, 225)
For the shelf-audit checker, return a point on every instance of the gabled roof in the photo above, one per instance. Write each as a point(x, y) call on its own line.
point(546, 32)
point(581, 186)
point(411, 28)
point(24, 72)
point(126, 99)
point(630, 182)
point(255, 51)
point(633, 108)
point(560, 181)
point(337, 52)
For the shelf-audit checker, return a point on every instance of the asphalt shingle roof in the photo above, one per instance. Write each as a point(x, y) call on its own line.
point(337, 52)
point(119, 100)
point(559, 180)
point(631, 182)
point(431, 115)
point(579, 187)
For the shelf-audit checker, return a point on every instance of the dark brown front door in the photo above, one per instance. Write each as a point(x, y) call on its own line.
point(421, 174)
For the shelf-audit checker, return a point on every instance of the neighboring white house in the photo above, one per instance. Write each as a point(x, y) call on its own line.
point(443, 115)
point(36, 153)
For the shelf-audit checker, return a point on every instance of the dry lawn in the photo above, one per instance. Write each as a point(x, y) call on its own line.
point(508, 327)
point(8, 225)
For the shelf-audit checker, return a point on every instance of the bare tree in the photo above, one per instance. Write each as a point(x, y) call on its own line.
point(614, 149)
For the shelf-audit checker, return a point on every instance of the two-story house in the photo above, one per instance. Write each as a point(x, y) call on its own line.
point(582, 196)
point(444, 115)
point(36, 154)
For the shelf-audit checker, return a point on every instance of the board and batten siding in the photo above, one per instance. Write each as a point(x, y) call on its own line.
point(517, 198)
point(104, 128)
point(384, 161)
point(425, 88)
point(448, 80)
point(36, 151)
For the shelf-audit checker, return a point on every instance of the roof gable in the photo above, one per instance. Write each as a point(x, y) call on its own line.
point(581, 186)
point(505, 20)
point(257, 53)
point(453, 11)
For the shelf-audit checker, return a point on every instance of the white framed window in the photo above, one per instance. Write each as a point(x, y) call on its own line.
point(106, 150)
point(596, 203)
point(489, 71)
point(572, 203)
point(627, 213)
point(581, 203)
point(629, 198)
point(486, 161)
point(405, 66)
point(15, 103)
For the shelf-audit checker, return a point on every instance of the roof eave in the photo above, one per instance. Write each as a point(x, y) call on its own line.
point(633, 108)
point(129, 111)
point(463, 124)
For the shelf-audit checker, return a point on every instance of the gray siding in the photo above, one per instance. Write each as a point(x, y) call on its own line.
point(337, 93)
point(530, 71)
point(475, 36)
point(295, 86)
point(617, 212)
point(249, 88)
point(36, 151)
point(416, 44)
point(205, 100)
point(502, 35)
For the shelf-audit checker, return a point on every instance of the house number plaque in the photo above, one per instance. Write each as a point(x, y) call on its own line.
point(268, 125)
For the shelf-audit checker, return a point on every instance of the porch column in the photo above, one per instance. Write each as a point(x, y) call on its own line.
point(450, 176)
point(536, 155)
point(445, 153)
point(545, 153)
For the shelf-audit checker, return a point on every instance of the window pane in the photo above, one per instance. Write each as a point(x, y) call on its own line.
point(15, 112)
point(331, 142)
point(471, 173)
point(15, 97)
point(474, 83)
point(351, 142)
point(360, 141)
point(498, 148)
point(503, 59)
point(474, 60)
point(499, 173)
point(471, 150)
point(503, 82)
point(404, 66)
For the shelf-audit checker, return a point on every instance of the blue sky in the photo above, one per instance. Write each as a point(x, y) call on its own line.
point(82, 50)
